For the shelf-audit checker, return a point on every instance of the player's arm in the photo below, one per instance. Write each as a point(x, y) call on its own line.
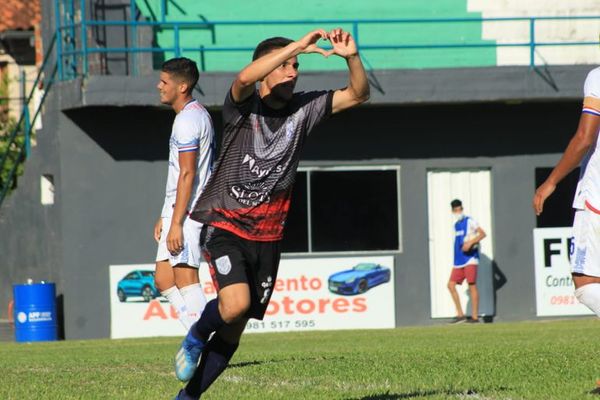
point(357, 91)
point(480, 235)
point(185, 183)
point(244, 84)
point(585, 137)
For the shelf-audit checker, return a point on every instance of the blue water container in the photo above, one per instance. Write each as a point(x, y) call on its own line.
point(35, 312)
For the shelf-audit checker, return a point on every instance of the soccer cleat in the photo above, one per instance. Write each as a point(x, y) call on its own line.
point(186, 359)
point(472, 321)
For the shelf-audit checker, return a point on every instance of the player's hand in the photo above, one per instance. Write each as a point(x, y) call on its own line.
point(175, 239)
point(541, 194)
point(308, 44)
point(157, 229)
point(467, 246)
point(343, 43)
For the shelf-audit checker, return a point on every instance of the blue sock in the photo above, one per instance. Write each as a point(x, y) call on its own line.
point(210, 321)
point(214, 360)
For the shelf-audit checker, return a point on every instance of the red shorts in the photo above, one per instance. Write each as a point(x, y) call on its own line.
point(468, 272)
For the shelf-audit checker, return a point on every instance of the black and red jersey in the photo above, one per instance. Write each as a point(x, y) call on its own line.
point(250, 188)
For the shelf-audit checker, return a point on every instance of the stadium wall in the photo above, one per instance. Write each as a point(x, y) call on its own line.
point(375, 33)
point(31, 234)
point(104, 142)
point(110, 164)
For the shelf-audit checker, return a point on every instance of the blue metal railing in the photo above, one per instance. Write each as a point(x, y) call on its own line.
point(77, 57)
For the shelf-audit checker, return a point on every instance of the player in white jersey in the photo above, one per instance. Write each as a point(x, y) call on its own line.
point(583, 150)
point(190, 157)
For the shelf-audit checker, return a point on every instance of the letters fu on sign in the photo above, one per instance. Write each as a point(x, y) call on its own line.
point(554, 290)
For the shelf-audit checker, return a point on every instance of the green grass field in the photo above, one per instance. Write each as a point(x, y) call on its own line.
point(528, 360)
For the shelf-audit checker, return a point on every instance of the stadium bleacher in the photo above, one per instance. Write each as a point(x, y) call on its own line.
point(370, 34)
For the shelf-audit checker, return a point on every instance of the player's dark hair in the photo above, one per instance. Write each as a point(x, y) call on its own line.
point(184, 69)
point(270, 44)
point(456, 203)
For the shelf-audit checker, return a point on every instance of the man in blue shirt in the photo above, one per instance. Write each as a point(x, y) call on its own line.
point(467, 236)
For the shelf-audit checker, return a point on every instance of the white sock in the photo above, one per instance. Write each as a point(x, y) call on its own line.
point(590, 296)
point(195, 301)
point(177, 301)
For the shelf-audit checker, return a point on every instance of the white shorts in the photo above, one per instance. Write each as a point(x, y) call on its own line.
point(191, 254)
point(585, 249)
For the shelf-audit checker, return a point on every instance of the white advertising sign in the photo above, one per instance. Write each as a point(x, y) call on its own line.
point(309, 294)
point(554, 290)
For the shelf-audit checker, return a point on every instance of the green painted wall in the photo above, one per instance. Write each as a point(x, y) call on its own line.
point(387, 34)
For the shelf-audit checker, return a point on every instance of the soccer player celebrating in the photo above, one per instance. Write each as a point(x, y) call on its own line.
point(190, 157)
point(246, 201)
point(582, 149)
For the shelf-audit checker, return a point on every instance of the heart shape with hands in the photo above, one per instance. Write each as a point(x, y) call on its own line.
point(341, 41)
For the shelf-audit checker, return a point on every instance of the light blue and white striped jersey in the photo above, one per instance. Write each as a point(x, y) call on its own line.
point(588, 188)
point(192, 131)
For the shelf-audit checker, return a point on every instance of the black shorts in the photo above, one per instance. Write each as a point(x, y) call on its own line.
point(233, 259)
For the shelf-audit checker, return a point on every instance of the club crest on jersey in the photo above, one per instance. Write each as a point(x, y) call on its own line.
point(223, 265)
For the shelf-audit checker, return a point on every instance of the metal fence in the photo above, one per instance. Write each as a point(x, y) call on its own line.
point(73, 51)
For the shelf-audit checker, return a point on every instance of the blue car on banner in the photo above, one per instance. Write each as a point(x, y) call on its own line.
point(137, 283)
point(359, 279)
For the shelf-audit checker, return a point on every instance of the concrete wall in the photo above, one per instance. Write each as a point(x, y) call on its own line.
point(110, 164)
point(31, 242)
point(503, 32)
point(31, 233)
point(511, 140)
point(513, 185)
point(389, 87)
point(109, 168)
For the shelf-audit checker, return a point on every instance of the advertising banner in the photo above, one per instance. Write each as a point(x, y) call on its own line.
point(309, 294)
